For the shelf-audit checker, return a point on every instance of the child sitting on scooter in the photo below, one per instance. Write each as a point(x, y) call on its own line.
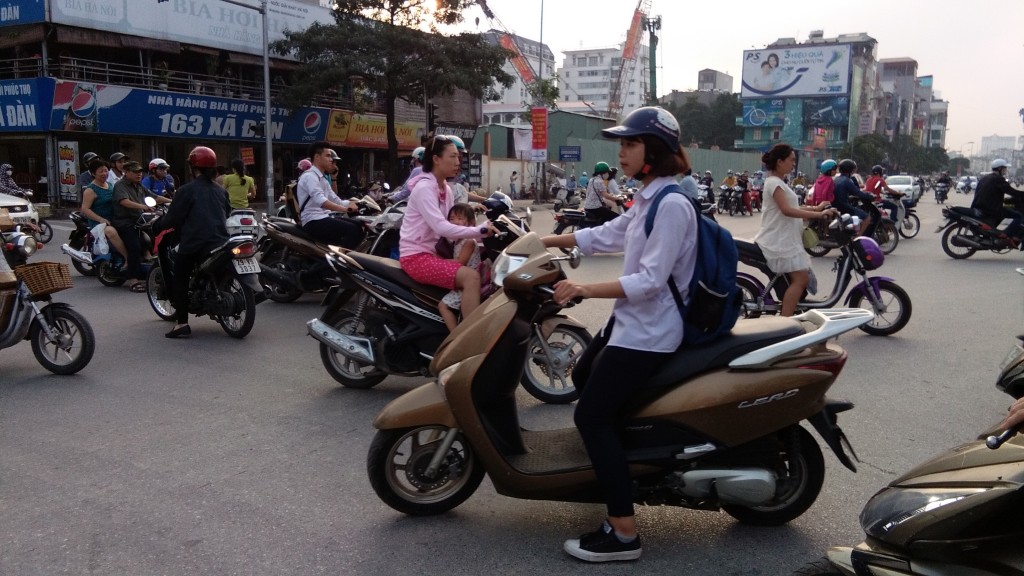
point(466, 251)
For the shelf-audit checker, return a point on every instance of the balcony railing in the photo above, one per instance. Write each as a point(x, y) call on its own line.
point(179, 81)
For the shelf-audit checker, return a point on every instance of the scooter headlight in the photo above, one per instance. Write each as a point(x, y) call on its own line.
point(893, 506)
point(505, 265)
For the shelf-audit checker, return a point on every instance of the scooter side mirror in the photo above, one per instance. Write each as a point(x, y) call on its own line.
point(149, 202)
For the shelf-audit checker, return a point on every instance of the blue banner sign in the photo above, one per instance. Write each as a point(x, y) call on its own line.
point(17, 12)
point(569, 153)
point(25, 104)
point(87, 107)
point(764, 112)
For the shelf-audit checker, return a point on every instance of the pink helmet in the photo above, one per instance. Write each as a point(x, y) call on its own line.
point(305, 164)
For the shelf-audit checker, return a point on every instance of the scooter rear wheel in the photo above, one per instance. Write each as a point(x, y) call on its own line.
point(276, 291)
point(239, 324)
point(953, 251)
point(397, 465)
point(348, 372)
point(800, 477)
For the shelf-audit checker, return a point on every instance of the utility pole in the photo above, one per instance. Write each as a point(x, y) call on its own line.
point(652, 25)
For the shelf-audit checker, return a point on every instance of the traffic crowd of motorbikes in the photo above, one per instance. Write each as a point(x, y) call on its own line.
point(435, 444)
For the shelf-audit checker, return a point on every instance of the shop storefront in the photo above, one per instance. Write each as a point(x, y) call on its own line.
point(47, 125)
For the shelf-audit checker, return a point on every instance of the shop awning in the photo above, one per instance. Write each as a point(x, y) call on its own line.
point(66, 35)
point(168, 46)
point(25, 35)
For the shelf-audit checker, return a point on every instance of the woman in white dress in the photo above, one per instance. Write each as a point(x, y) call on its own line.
point(781, 234)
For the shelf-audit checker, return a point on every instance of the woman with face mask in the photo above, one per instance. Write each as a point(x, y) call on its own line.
point(8, 185)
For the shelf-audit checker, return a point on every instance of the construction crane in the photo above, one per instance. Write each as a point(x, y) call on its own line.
point(630, 54)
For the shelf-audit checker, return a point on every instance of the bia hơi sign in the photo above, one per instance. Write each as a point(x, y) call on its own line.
point(806, 70)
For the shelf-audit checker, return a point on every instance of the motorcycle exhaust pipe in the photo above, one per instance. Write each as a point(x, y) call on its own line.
point(279, 277)
point(79, 255)
point(965, 242)
point(353, 347)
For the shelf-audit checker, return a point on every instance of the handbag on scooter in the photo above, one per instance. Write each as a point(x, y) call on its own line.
point(810, 237)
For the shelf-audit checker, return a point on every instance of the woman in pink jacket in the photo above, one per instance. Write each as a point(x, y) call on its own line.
point(426, 221)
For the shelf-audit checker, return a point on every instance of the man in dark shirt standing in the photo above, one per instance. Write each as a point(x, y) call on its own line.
point(989, 199)
point(198, 215)
point(128, 197)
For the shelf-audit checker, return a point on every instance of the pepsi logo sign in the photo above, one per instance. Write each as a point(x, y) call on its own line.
point(312, 123)
point(83, 104)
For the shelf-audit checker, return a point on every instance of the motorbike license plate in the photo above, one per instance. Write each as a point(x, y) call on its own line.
point(246, 266)
point(1011, 356)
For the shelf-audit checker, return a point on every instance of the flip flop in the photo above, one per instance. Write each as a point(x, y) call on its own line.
point(138, 287)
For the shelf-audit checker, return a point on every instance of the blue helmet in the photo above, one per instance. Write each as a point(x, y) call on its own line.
point(649, 120)
point(828, 165)
point(459, 144)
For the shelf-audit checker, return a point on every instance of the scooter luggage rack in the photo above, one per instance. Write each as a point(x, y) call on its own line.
point(830, 322)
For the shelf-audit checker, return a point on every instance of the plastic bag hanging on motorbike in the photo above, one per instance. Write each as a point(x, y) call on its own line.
point(100, 247)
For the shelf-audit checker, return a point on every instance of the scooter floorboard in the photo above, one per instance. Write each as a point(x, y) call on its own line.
point(551, 451)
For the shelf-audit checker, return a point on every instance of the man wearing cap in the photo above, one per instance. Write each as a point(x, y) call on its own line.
point(159, 182)
point(417, 168)
point(128, 198)
point(117, 161)
point(317, 201)
point(85, 177)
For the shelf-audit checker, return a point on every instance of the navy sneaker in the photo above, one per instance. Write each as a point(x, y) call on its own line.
point(603, 545)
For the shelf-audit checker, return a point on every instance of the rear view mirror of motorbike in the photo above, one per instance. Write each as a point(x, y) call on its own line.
point(574, 257)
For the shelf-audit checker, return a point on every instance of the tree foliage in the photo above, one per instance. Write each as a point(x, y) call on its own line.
point(391, 48)
point(713, 125)
point(901, 155)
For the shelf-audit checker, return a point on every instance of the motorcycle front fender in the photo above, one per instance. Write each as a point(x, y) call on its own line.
point(862, 287)
point(422, 406)
point(549, 324)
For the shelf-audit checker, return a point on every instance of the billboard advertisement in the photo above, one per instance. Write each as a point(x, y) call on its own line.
point(370, 131)
point(519, 61)
point(67, 171)
point(827, 111)
point(25, 104)
point(809, 70)
point(17, 12)
point(88, 107)
point(210, 23)
point(764, 112)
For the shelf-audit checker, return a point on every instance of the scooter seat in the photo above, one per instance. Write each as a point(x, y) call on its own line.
point(748, 335)
point(390, 269)
point(289, 226)
point(966, 211)
point(573, 212)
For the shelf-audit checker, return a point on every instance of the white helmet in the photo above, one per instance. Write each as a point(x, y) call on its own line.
point(999, 163)
point(418, 153)
point(158, 163)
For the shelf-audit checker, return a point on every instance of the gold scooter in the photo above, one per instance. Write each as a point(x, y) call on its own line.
point(718, 427)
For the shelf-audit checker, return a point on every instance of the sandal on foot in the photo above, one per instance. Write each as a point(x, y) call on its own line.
point(138, 287)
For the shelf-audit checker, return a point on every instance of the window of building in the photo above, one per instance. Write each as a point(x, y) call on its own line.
point(776, 134)
point(593, 61)
point(756, 134)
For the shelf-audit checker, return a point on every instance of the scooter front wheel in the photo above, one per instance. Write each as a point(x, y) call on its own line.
point(896, 304)
point(398, 464)
point(910, 226)
point(800, 469)
point(548, 377)
point(159, 299)
point(73, 344)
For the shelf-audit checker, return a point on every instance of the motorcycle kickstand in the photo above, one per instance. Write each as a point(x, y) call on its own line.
point(435, 461)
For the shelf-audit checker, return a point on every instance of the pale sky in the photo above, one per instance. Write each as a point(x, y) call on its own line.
point(972, 49)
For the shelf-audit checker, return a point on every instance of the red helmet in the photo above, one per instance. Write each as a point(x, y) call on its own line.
point(202, 157)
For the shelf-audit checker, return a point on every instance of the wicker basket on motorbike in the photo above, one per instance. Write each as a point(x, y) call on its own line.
point(42, 209)
point(44, 277)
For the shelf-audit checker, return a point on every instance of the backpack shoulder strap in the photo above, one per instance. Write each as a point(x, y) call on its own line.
point(649, 221)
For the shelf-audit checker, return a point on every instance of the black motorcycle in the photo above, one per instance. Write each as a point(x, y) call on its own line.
point(967, 232)
point(80, 245)
point(941, 192)
point(224, 286)
point(377, 322)
point(881, 228)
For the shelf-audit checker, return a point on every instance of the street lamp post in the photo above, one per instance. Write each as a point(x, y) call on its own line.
point(268, 125)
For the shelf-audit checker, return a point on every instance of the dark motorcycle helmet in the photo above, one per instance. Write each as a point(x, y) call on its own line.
point(117, 156)
point(847, 166)
point(877, 170)
point(498, 203)
point(89, 157)
point(649, 120)
point(202, 157)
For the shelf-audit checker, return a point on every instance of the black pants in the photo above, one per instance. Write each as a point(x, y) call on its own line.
point(183, 266)
point(336, 231)
point(133, 245)
point(606, 377)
